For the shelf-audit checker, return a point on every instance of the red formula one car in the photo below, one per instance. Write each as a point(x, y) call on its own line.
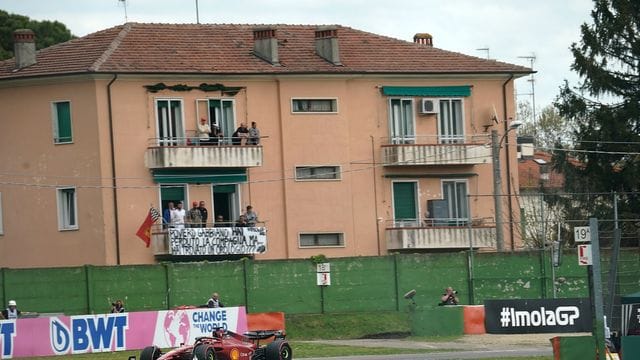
point(227, 345)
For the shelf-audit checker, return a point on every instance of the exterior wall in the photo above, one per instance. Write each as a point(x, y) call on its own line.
point(359, 205)
point(31, 236)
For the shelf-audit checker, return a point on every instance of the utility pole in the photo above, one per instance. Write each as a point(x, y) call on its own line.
point(497, 189)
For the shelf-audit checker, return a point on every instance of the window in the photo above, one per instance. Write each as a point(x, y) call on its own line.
point(321, 239)
point(67, 209)
point(405, 203)
point(61, 113)
point(401, 122)
point(221, 114)
point(310, 173)
point(455, 194)
point(1, 222)
point(314, 105)
point(169, 122)
point(451, 128)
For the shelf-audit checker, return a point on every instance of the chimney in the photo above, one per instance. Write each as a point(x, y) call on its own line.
point(327, 44)
point(423, 39)
point(24, 47)
point(265, 45)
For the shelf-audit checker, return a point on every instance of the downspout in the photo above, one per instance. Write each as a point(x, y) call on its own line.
point(508, 168)
point(113, 170)
point(284, 173)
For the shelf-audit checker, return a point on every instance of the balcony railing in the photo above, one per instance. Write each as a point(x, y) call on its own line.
point(436, 150)
point(440, 234)
point(208, 239)
point(191, 152)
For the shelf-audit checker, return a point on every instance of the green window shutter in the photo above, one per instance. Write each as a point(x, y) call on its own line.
point(427, 91)
point(172, 193)
point(404, 200)
point(63, 115)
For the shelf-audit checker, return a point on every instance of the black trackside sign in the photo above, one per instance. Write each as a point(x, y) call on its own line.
point(537, 316)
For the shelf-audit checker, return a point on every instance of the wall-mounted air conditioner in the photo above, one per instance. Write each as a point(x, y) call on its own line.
point(429, 106)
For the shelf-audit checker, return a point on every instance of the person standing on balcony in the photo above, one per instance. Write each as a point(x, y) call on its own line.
point(241, 135)
point(254, 134)
point(178, 216)
point(166, 214)
point(251, 216)
point(194, 218)
point(204, 213)
point(204, 131)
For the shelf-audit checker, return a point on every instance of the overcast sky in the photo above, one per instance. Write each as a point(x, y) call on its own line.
point(509, 28)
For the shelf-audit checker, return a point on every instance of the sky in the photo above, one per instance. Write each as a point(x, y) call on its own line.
point(510, 29)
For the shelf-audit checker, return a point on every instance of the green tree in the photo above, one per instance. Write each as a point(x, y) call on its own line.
point(47, 32)
point(548, 129)
point(606, 109)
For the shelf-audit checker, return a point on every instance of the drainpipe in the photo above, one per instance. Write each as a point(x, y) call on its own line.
point(508, 168)
point(113, 170)
point(375, 193)
point(284, 175)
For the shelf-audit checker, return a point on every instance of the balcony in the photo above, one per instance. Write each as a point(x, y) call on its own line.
point(190, 153)
point(436, 150)
point(440, 234)
point(213, 240)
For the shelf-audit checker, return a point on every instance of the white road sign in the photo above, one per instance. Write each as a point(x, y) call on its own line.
point(581, 234)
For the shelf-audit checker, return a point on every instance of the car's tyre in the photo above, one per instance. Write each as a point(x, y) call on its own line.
point(278, 350)
point(204, 352)
point(150, 353)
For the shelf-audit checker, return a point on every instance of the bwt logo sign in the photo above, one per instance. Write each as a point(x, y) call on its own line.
point(563, 315)
point(7, 333)
point(89, 333)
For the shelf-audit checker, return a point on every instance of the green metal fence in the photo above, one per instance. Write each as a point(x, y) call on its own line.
point(357, 283)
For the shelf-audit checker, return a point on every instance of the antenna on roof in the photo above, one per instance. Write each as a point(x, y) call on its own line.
point(197, 14)
point(487, 50)
point(532, 80)
point(124, 2)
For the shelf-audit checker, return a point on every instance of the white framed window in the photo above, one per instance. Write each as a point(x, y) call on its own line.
point(451, 121)
point(307, 240)
point(1, 219)
point(454, 193)
point(67, 209)
point(169, 122)
point(314, 105)
point(315, 173)
point(61, 118)
point(402, 126)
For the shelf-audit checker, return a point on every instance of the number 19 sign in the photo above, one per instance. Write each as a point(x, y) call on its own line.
point(581, 234)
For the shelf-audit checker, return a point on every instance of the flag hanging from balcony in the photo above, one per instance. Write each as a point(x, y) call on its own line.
point(144, 232)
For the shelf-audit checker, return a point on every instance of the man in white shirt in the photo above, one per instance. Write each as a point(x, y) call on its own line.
point(178, 216)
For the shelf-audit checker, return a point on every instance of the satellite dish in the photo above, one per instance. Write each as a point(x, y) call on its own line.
point(494, 114)
point(410, 294)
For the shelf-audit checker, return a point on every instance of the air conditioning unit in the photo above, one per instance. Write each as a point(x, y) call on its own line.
point(429, 106)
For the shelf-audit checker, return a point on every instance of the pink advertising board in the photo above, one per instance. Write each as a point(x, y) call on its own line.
point(63, 335)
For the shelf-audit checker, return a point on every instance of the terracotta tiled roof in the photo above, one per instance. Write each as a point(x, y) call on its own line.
point(529, 172)
point(228, 49)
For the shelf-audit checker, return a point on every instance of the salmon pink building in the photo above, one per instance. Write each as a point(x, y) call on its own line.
point(368, 145)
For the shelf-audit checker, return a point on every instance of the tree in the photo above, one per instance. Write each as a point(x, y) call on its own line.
point(548, 129)
point(47, 32)
point(606, 109)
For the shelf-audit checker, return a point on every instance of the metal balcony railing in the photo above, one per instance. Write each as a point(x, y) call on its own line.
point(440, 233)
point(436, 150)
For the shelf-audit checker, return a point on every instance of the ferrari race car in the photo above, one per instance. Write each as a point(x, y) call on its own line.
point(227, 345)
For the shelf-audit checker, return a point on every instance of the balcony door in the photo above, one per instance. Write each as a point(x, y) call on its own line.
point(405, 203)
point(401, 122)
point(226, 202)
point(455, 194)
point(222, 115)
point(170, 129)
point(450, 122)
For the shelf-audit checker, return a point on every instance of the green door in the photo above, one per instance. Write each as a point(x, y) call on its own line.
point(404, 201)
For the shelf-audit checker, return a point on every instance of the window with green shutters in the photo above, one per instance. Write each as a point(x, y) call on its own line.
point(61, 113)
point(405, 202)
